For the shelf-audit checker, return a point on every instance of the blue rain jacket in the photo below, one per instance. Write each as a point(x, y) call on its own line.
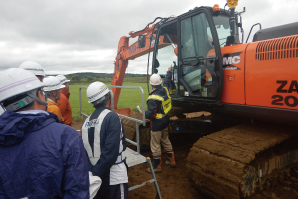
point(41, 158)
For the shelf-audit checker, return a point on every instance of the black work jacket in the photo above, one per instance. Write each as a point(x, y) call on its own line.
point(155, 106)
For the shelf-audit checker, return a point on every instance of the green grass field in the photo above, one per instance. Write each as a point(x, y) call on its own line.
point(129, 98)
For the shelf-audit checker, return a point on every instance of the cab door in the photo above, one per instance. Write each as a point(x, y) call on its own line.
point(199, 70)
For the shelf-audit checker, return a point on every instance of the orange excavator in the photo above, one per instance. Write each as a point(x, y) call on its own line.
point(216, 72)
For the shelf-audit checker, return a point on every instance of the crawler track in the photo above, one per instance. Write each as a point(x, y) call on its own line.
point(250, 160)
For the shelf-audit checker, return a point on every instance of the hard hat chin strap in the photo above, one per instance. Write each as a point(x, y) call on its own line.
point(99, 100)
point(38, 100)
point(20, 104)
point(31, 97)
point(102, 101)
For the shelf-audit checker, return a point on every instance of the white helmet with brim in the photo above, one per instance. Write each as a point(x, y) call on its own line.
point(155, 79)
point(15, 81)
point(52, 83)
point(96, 92)
point(62, 79)
point(33, 67)
point(18, 88)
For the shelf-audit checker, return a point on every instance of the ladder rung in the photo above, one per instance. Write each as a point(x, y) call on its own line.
point(140, 185)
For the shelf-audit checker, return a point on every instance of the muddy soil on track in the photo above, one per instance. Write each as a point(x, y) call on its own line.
point(173, 182)
point(227, 163)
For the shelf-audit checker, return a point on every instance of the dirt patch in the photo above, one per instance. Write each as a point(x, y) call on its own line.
point(173, 182)
point(77, 124)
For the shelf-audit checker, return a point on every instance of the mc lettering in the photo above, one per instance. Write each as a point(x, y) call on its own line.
point(231, 60)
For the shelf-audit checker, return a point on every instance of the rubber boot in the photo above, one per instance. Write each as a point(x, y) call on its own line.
point(156, 166)
point(171, 159)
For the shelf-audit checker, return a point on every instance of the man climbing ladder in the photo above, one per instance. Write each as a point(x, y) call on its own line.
point(159, 104)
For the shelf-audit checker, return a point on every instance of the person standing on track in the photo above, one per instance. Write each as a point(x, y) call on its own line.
point(104, 140)
point(159, 104)
point(63, 103)
point(39, 157)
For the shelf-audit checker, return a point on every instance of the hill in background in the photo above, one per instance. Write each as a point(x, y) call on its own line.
point(88, 77)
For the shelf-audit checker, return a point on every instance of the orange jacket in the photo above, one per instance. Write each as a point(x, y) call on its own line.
point(53, 108)
point(65, 92)
point(65, 107)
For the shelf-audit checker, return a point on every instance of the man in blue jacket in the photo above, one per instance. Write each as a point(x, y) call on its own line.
point(104, 140)
point(39, 156)
point(159, 104)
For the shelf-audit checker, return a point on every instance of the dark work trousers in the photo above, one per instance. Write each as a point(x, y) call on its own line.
point(119, 191)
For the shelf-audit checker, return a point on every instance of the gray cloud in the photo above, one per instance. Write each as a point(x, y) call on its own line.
point(74, 36)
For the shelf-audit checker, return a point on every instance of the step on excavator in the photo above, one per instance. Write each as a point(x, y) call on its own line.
point(214, 71)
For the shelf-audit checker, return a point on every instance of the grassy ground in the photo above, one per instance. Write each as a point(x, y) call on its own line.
point(129, 98)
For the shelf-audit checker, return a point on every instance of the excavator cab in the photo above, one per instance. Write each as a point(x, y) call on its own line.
point(192, 44)
point(198, 74)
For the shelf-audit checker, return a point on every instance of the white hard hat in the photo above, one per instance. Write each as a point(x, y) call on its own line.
point(15, 81)
point(155, 79)
point(33, 67)
point(62, 79)
point(51, 83)
point(96, 90)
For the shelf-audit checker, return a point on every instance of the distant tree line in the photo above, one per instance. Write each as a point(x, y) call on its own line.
point(103, 77)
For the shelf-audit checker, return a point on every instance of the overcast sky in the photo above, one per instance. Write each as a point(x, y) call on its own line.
point(69, 36)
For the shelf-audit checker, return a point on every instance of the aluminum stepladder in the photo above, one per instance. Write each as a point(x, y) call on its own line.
point(133, 158)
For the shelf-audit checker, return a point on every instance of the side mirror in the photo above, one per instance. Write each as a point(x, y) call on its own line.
point(142, 41)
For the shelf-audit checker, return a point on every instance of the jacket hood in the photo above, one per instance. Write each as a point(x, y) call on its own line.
point(14, 126)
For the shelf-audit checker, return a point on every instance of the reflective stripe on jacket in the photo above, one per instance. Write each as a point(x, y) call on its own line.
point(166, 103)
point(156, 111)
point(95, 151)
point(104, 139)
